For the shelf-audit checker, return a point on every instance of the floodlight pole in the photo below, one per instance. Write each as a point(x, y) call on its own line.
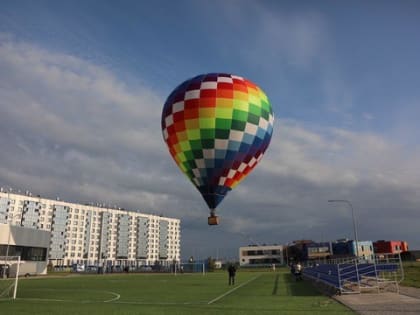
point(354, 222)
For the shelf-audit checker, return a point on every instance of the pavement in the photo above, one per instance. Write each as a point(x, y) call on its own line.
point(387, 303)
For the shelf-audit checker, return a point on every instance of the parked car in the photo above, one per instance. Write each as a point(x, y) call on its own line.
point(78, 268)
point(145, 268)
point(92, 269)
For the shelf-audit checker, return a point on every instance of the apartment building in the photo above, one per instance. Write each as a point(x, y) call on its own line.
point(94, 234)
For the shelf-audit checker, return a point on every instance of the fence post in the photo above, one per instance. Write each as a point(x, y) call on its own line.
point(376, 272)
point(401, 268)
point(356, 262)
point(339, 278)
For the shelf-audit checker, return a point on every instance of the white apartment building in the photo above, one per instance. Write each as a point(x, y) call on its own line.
point(95, 235)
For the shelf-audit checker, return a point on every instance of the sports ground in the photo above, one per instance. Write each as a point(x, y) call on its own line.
point(255, 292)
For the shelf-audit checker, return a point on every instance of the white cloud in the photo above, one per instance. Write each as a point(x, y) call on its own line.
point(338, 156)
point(287, 193)
point(71, 115)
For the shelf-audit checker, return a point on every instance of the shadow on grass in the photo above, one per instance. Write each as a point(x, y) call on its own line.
point(298, 288)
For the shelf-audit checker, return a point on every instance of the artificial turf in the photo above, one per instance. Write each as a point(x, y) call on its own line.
point(253, 293)
point(412, 274)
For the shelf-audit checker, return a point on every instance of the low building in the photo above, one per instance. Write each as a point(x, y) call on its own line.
point(218, 264)
point(390, 247)
point(347, 248)
point(295, 252)
point(317, 251)
point(30, 244)
point(261, 255)
point(411, 255)
point(366, 250)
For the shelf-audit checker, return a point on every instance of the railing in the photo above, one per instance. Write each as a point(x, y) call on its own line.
point(353, 275)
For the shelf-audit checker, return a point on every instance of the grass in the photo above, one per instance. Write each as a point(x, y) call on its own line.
point(411, 274)
point(254, 293)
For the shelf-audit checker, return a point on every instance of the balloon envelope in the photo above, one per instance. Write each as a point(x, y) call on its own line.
point(217, 127)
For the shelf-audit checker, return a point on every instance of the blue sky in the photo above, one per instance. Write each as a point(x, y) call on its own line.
point(342, 77)
point(289, 49)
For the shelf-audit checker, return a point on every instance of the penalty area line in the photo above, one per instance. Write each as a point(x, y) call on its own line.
point(114, 299)
point(232, 290)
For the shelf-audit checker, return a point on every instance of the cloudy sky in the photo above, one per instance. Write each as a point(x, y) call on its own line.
point(82, 86)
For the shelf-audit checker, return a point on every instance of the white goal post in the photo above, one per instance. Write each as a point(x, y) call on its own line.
point(191, 268)
point(9, 276)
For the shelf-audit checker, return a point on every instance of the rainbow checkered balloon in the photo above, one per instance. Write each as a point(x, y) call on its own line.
point(217, 127)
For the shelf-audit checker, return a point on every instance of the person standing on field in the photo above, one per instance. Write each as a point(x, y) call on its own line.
point(232, 273)
point(298, 271)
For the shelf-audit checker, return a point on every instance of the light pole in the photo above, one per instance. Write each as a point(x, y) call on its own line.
point(287, 252)
point(354, 222)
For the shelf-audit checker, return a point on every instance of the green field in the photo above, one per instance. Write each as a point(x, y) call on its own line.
point(254, 293)
point(411, 274)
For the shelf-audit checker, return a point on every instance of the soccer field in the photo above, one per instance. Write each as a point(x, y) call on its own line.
point(253, 293)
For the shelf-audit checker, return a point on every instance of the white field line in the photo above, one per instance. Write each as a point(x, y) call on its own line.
point(44, 300)
point(232, 290)
point(117, 296)
point(161, 303)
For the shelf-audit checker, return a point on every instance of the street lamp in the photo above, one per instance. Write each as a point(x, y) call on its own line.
point(354, 222)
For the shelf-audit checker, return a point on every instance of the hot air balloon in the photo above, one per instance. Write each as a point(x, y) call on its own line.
point(217, 128)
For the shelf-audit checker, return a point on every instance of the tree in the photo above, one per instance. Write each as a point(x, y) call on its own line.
point(211, 264)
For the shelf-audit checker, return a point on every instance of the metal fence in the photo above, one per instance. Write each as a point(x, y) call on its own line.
point(356, 275)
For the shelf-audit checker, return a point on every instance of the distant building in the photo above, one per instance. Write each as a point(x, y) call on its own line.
point(390, 247)
point(95, 234)
point(411, 255)
point(366, 250)
point(304, 250)
point(347, 248)
point(317, 251)
point(263, 255)
point(218, 264)
point(295, 251)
